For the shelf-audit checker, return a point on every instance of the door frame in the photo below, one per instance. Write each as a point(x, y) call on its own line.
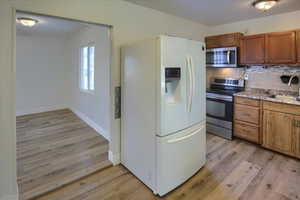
point(114, 122)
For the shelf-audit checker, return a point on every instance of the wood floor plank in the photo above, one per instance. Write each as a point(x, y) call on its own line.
point(86, 185)
point(212, 175)
point(263, 159)
point(289, 184)
point(54, 149)
point(269, 180)
point(236, 183)
point(234, 170)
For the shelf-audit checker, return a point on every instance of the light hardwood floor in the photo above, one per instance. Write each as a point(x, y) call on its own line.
point(235, 170)
point(56, 148)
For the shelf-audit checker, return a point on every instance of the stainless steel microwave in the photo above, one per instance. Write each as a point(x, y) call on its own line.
point(222, 57)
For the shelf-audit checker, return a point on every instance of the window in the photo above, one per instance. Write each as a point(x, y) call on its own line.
point(87, 68)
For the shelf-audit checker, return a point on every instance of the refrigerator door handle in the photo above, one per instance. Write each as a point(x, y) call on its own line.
point(189, 83)
point(185, 137)
point(193, 81)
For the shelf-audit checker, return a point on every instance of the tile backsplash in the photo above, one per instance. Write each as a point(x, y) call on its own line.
point(258, 76)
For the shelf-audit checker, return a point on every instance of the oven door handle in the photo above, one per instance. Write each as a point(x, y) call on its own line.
point(219, 100)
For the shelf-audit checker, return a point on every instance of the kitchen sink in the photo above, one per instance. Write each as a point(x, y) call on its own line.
point(284, 97)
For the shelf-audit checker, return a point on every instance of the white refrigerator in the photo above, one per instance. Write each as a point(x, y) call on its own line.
point(163, 134)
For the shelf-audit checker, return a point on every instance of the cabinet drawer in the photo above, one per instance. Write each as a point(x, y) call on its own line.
point(247, 101)
point(281, 107)
point(246, 113)
point(246, 131)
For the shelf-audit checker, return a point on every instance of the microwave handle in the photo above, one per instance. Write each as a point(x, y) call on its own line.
point(228, 57)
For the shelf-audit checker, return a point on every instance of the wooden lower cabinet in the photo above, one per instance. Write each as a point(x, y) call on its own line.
point(297, 136)
point(275, 126)
point(246, 113)
point(247, 119)
point(281, 128)
point(247, 101)
point(278, 131)
point(246, 131)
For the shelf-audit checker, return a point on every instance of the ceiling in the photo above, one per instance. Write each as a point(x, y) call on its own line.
point(48, 25)
point(216, 12)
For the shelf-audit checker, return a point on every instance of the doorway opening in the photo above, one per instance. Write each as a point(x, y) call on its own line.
point(62, 101)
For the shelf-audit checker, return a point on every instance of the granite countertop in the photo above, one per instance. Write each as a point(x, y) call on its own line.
point(266, 95)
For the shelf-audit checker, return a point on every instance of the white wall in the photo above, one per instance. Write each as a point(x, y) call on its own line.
point(131, 22)
point(94, 107)
point(8, 184)
point(282, 22)
point(41, 74)
point(47, 75)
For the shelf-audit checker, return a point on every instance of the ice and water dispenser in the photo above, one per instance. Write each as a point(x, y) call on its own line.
point(172, 85)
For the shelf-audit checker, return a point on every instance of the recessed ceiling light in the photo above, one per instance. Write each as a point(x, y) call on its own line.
point(264, 4)
point(27, 21)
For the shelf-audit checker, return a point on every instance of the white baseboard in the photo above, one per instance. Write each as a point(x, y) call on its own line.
point(114, 158)
point(39, 110)
point(91, 123)
point(10, 197)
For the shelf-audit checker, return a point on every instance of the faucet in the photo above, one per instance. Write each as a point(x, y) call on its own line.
point(290, 81)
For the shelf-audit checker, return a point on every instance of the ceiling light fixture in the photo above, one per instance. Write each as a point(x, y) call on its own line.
point(264, 4)
point(27, 21)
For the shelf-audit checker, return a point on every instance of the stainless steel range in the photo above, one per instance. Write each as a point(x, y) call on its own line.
point(219, 105)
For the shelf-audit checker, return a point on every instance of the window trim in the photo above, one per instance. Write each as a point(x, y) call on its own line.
point(89, 91)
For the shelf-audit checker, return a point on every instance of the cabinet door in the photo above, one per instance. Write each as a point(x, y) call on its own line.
point(298, 46)
point(253, 49)
point(226, 40)
point(278, 131)
point(212, 42)
point(229, 40)
point(296, 131)
point(281, 48)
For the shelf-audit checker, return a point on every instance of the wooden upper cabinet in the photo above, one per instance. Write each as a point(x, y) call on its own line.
point(298, 45)
point(281, 48)
point(270, 48)
point(212, 42)
point(253, 49)
point(226, 40)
